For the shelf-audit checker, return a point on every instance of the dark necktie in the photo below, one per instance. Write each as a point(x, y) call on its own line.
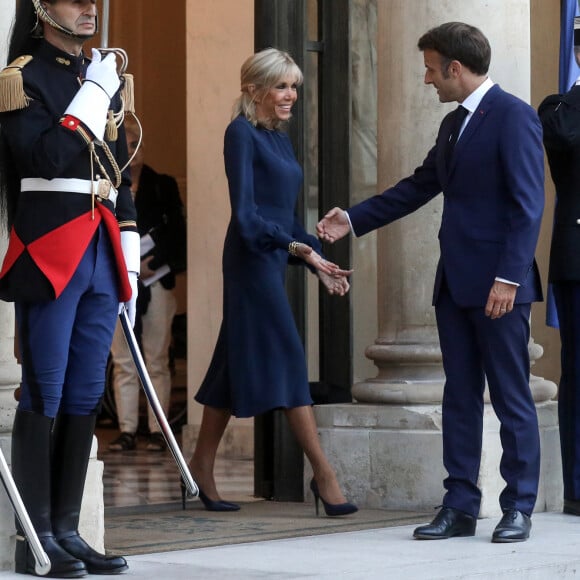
point(458, 118)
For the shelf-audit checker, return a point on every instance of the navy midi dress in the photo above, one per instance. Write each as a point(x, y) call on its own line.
point(259, 362)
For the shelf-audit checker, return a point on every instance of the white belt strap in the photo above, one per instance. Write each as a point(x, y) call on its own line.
point(102, 188)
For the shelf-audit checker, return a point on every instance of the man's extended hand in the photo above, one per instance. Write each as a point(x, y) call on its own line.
point(333, 226)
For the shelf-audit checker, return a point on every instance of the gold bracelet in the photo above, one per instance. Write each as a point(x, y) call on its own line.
point(293, 248)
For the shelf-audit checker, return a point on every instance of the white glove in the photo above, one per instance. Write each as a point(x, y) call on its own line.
point(130, 244)
point(131, 305)
point(104, 72)
point(91, 103)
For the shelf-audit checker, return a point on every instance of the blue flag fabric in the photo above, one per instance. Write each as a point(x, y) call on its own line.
point(569, 72)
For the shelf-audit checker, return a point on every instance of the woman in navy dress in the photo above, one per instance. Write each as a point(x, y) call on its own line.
point(259, 363)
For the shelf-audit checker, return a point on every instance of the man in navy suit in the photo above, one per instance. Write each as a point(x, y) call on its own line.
point(488, 162)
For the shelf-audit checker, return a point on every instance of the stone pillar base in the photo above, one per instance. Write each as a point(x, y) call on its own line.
point(390, 456)
point(92, 519)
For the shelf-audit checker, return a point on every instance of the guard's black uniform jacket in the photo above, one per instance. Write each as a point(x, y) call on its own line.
point(560, 116)
point(52, 230)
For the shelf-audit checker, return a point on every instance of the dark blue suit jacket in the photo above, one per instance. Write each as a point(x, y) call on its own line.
point(493, 200)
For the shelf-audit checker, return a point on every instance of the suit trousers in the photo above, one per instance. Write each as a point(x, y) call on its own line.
point(567, 297)
point(155, 341)
point(476, 348)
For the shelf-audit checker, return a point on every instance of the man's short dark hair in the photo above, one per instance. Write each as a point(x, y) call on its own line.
point(459, 41)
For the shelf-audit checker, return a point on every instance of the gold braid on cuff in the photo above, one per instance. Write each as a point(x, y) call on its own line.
point(293, 248)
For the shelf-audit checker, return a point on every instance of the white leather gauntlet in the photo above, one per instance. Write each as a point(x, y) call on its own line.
point(91, 103)
point(130, 244)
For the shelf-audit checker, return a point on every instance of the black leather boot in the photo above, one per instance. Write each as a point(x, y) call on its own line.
point(73, 437)
point(31, 436)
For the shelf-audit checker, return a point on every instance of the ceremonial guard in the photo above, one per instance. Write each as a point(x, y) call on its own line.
point(71, 264)
point(560, 116)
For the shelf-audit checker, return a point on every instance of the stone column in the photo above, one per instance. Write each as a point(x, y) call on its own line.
point(407, 349)
point(394, 433)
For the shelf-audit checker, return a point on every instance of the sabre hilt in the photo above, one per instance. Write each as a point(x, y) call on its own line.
point(122, 54)
point(127, 86)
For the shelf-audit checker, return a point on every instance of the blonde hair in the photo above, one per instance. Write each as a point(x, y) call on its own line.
point(263, 70)
point(132, 125)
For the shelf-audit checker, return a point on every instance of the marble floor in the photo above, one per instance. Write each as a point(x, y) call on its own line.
point(142, 478)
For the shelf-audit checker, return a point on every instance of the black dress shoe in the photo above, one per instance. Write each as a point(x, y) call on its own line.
point(515, 526)
point(572, 507)
point(448, 522)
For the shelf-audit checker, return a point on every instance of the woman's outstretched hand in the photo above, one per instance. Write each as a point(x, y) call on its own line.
point(317, 261)
point(333, 284)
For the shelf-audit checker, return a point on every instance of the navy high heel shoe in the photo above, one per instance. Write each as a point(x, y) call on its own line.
point(210, 504)
point(331, 509)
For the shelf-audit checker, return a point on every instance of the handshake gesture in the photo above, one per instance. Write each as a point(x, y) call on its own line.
point(332, 227)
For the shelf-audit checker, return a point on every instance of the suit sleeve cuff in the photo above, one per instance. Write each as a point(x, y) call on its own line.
point(506, 281)
point(350, 224)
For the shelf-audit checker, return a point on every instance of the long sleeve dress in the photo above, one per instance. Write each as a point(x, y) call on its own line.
point(259, 362)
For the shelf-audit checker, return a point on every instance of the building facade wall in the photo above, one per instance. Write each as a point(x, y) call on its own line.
point(220, 35)
point(154, 40)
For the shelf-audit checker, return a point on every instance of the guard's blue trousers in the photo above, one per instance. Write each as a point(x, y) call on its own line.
point(64, 343)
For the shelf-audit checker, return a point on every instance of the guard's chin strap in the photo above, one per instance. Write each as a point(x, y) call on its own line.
point(46, 17)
